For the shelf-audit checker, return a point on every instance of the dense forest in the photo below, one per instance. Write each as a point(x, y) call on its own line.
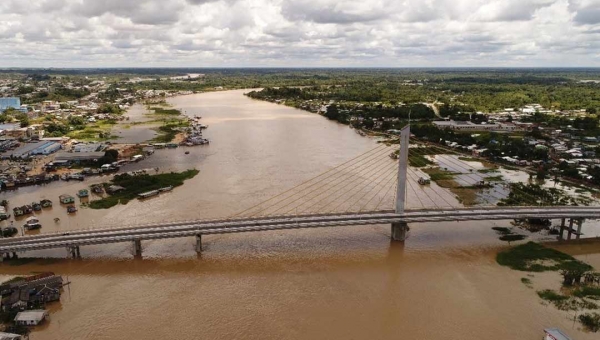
point(478, 89)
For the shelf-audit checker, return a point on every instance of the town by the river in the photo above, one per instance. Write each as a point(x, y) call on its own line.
point(347, 282)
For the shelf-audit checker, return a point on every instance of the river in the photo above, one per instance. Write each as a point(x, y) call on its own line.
point(334, 283)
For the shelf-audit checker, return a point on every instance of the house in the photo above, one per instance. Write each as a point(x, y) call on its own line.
point(555, 334)
point(79, 157)
point(31, 317)
point(31, 292)
point(10, 336)
point(66, 199)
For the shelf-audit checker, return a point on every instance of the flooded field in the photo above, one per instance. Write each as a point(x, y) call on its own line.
point(334, 283)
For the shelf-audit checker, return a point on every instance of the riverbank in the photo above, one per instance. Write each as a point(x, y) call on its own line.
point(134, 185)
point(448, 268)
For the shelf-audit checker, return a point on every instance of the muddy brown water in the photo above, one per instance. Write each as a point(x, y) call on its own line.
point(334, 283)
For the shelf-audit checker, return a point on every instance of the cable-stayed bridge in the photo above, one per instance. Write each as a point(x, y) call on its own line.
point(372, 188)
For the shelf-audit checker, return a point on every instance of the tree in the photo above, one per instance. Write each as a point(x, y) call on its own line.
point(332, 112)
point(76, 120)
point(23, 119)
point(110, 156)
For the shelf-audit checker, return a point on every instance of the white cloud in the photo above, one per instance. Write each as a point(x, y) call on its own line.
point(63, 33)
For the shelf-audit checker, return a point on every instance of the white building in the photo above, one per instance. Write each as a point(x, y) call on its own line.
point(31, 317)
point(554, 334)
point(10, 336)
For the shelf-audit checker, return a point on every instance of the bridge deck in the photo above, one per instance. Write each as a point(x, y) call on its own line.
point(223, 226)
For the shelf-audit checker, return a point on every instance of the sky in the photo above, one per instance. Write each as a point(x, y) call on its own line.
point(299, 33)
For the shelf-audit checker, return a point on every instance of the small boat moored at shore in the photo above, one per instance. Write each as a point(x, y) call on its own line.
point(97, 189)
point(3, 214)
point(32, 223)
point(165, 189)
point(424, 180)
point(46, 203)
point(36, 206)
point(148, 194)
point(66, 199)
point(24, 210)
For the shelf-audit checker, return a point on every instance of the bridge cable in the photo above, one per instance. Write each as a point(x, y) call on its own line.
point(322, 187)
point(330, 194)
point(339, 167)
point(391, 170)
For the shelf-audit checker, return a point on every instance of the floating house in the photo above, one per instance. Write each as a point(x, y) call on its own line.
point(66, 199)
point(31, 317)
point(555, 334)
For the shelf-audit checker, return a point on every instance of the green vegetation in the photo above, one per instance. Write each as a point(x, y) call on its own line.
point(469, 159)
point(59, 93)
point(591, 321)
point(564, 302)
point(587, 291)
point(508, 235)
point(169, 130)
point(526, 281)
point(502, 230)
point(440, 176)
point(487, 171)
point(95, 131)
point(512, 237)
point(498, 178)
point(164, 111)
point(418, 161)
point(135, 185)
point(535, 194)
point(552, 296)
point(534, 257)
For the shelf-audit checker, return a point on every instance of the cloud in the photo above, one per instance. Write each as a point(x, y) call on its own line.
point(63, 33)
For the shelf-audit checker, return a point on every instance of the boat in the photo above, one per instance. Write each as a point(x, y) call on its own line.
point(32, 223)
point(71, 209)
point(169, 188)
point(36, 206)
point(148, 194)
point(3, 214)
point(187, 152)
point(424, 181)
point(83, 193)
point(27, 209)
point(46, 203)
point(66, 199)
point(18, 211)
point(9, 231)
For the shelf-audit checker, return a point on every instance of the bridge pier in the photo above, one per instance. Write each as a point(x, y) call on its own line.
point(570, 231)
point(198, 243)
point(562, 229)
point(74, 252)
point(137, 248)
point(399, 230)
point(579, 225)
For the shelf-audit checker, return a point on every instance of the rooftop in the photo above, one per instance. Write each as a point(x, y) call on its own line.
point(74, 156)
point(556, 333)
point(36, 315)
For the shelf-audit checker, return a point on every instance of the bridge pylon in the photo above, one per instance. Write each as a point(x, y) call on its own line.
point(400, 229)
